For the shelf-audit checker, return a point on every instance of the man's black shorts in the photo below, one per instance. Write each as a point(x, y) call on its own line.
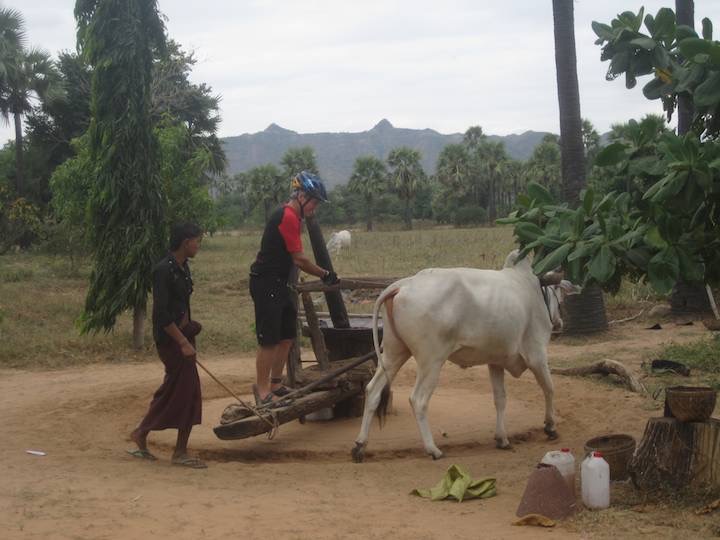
point(275, 310)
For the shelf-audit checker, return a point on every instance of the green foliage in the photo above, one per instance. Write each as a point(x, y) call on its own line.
point(405, 175)
point(298, 159)
point(369, 180)
point(126, 203)
point(469, 215)
point(20, 220)
point(680, 61)
point(701, 354)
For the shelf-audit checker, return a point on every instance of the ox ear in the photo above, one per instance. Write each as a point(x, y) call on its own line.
point(551, 278)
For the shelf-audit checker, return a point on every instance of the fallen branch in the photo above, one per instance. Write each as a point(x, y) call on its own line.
point(605, 367)
point(618, 321)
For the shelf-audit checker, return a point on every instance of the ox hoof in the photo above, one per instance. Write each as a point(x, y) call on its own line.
point(435, 454)
point(503, 445)
point(358, 453)
point(551, 433)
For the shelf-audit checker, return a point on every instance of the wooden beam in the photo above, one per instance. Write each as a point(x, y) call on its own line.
point(347, 284)
point(316, 337)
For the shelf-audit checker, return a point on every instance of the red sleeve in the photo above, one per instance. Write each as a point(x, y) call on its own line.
point(290, 231)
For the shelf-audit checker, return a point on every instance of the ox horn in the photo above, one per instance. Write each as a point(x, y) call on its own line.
point(551, 278)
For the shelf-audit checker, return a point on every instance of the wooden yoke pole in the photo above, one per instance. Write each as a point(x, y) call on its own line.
point(336, 306)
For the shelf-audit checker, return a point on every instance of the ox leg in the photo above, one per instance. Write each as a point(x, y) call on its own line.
point(428, 373)
point(497, 378)
point(384, 375)
point(542, 375)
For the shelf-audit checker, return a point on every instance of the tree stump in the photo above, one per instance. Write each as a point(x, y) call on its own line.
point(674, 454)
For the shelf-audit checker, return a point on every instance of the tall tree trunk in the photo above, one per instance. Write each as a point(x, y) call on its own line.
point(687, 297)
point(571, 143)
point(492, 209)
point(369, 204)
point(19, 163)
point(408, 214)
point(685, 14)
point(139, 327)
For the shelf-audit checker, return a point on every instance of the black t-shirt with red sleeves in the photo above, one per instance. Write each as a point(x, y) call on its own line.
point(280, 239)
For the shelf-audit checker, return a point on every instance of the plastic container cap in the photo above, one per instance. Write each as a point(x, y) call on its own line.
point(597, 454)
point(564, 449)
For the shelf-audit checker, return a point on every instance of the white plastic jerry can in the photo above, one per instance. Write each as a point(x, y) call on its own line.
point(595, 480)
point(564, 461)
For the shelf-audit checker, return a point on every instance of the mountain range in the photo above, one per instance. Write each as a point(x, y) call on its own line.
point(336, 152)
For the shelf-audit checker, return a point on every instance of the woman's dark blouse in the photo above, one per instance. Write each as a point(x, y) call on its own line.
point(172, 287)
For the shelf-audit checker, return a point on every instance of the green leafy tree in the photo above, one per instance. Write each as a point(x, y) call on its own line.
point(299, 159)
point(126, 206)
point(572, 151)
point(543, 167)
point(405, 174)
point(267, 186)
point(368, 179)
point(32, 77)
point(491, 157)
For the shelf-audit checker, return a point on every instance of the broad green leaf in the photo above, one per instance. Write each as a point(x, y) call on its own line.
point(603, 31)
point(654, 239)
point(528, 231)
point(663, 270)
point(552, 260)
point(682, 32)
point(582, 249)
point(664, 24)
point(602, 265)
point(655, 89)
point(539, 193)
point(644, 42)
point(588, 200)
point(639, 257)
point(612, 154)
point(707, 94)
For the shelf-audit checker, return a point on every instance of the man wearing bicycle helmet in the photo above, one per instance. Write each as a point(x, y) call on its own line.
point(275, 312)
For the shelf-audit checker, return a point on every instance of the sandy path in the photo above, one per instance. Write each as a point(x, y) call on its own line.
point(302, 484)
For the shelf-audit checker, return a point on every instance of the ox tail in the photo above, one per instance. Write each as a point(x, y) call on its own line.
point(386, 295)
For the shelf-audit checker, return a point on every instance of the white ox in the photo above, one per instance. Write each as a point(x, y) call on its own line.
point(338, 241)
point(502, 318)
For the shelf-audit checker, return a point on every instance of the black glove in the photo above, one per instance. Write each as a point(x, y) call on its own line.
point(330, 278)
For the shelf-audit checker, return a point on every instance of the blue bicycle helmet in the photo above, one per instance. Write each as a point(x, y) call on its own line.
point(311, 185)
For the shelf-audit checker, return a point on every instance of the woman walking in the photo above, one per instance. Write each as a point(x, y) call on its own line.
point(177, 404)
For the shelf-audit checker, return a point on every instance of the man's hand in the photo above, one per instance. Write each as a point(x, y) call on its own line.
point(330, 278)
point(187, 349)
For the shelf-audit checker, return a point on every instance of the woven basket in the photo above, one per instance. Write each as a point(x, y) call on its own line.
point(617, 450)
point(691, 403)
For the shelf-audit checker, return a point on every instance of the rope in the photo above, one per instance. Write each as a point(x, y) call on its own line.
point(273, 422)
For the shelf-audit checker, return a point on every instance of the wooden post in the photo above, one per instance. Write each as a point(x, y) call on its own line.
point(334, 300)
point(318, 342)
point(293, 361)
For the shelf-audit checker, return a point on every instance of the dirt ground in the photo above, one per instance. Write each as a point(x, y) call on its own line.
point(302, 484)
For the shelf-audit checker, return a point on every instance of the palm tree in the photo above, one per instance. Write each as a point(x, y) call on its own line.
point(571, 142)
point(299, 159)
point(369, 178)
point(12, 42)
point(492, 156)
point(405, 175)
point(268, 186)
point(33, 76)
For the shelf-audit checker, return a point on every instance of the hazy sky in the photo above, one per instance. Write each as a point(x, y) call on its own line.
point(341, 65)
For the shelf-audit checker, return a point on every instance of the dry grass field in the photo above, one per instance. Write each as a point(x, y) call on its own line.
point(41, 295)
